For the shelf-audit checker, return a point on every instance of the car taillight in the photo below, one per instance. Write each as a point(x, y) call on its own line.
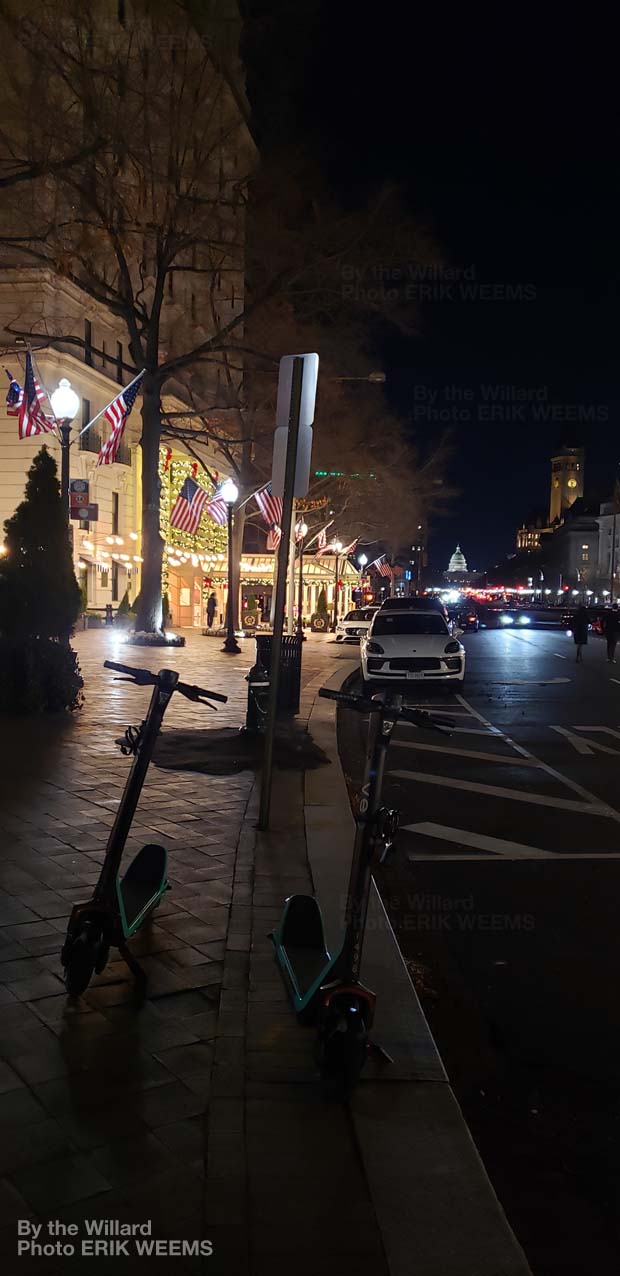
point(374, 648)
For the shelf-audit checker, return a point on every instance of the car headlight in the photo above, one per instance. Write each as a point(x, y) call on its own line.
point(524, 620)
point(374, 648)
point(506, 620)
point(452, 646)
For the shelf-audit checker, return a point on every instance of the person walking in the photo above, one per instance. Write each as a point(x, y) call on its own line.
point(611, 629)
point(580, 631)
point(211, 609)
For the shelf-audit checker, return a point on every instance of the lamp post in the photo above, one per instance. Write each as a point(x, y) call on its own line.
point(303, 530)
point(337, 547)
point(229, 493)
point(65, 406)
point(362, 560)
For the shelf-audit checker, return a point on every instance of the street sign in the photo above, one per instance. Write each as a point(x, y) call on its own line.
point(78, 493)
point(306, 417)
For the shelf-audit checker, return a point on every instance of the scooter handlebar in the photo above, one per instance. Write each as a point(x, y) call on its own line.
point(418, 717)
point(143, 677)
point(195, 693)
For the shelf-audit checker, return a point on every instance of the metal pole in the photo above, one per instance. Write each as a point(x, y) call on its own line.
point(334, 626)
point(290, 594)
point(231, 645)
point(278, 611)
point(65, 444)
point(300, 597)
point(613, 561)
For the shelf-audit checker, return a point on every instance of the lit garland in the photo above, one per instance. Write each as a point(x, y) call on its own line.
point(210, 542)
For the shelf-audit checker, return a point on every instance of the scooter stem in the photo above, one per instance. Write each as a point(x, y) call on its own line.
point(160, 699)
point(358, 895)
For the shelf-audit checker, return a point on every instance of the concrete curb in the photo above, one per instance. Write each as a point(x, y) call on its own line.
point(435, 1206)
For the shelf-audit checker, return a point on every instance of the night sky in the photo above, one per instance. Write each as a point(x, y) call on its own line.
point(504, 143)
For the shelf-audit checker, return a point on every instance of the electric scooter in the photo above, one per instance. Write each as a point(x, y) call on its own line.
point(326, 988)
point(120, 905)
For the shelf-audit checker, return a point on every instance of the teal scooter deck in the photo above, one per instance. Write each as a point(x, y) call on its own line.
point(301, 951)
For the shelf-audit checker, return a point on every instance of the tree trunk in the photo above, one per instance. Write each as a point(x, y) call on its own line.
point(149, 615)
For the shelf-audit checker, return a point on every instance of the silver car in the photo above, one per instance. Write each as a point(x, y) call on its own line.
point(355, 624)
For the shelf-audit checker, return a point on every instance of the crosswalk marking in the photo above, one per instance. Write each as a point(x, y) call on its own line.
point(464, 753)
point(587, 746)
point(461, 730)
point(516, 795)
point(496, 845)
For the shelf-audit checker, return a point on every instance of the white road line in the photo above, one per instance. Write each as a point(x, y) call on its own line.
point(559, 656)
point(606, 730)
point(615, 680)
point(516, 795)
point(557, 775)
point(497, 845)
point(491, 731)
point(579, 745)
point(464, 753)
point(529, 682)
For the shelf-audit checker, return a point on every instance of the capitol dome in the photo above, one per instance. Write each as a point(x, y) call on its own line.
point(458, 562)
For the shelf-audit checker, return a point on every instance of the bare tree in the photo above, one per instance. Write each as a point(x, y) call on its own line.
point(148, 219)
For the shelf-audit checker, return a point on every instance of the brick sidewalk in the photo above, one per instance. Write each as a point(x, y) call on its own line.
point(105, 1107)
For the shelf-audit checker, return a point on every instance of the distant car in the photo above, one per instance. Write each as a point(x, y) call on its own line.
point(355, 624)
point(415, 603)
point(466, 618)
point(407, 645)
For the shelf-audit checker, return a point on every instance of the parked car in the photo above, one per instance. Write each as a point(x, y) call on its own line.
point(355, 624)
point(466, 618)
point(415, 603)
point(408, 645)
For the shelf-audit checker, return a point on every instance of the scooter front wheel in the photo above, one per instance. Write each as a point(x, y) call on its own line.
point(81, 955)
point(342, 1047)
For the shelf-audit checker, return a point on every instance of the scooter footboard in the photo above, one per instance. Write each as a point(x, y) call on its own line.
point(299, 943)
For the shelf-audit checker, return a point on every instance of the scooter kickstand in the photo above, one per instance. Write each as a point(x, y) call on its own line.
point(376, 1048)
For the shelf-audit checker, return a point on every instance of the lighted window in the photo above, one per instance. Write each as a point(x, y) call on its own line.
point(572, 482)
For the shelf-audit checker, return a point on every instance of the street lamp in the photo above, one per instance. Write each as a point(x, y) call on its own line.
point(303, 532)
point(362, 560)
point(65, 406)
point(337, 547)
point(229, 493)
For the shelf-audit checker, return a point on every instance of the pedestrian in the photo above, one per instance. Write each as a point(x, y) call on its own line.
point(211, 609)
point(580, 631)
point(611, 630)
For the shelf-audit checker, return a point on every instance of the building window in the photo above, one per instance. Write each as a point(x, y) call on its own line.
point(114, 582)
point(572, 482)
point(115, 504)
point(88, 343)
point(105, 579)
point(585, 557)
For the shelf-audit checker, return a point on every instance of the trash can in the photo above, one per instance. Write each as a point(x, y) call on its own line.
point(290, 670)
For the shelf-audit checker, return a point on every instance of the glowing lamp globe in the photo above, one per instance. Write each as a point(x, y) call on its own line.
point(229, 492)
point(65, 402)
point(303, 529)
point(362, 560)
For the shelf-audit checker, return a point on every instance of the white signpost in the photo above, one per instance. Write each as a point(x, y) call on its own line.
point(290, 478)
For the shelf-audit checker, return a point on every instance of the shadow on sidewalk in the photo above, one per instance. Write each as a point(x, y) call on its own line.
point(226, 752)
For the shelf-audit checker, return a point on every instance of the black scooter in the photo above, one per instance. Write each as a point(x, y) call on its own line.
point(120, 906)
point(326, 988)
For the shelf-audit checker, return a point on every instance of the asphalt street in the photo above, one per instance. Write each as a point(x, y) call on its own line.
point(504, 893)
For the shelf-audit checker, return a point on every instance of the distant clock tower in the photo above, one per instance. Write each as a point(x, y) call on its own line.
point(566, 480)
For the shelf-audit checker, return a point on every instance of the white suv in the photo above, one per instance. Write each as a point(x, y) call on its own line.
point(412, 645)
point(355, 624)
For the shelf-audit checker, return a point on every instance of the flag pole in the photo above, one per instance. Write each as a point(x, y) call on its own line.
point(121, 391)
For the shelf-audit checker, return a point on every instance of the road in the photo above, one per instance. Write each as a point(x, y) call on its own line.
point(505, 893)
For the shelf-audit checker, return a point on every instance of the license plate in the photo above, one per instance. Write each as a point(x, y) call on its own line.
point(414, 674)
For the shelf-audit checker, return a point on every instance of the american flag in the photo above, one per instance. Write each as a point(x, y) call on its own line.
point(14, 395)
point(217, 509)
point(117, 413)
point(383, 567)
point(269, 505)
point(188, 507)
point(322, 539)
point(32, 419)
point(274, 536)
point(348, 549)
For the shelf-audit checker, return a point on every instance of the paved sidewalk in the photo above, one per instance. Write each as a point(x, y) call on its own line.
point(200, 1111)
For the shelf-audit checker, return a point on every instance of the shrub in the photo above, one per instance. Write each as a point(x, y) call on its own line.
point(321, 605)
point(39, 595)
point(38, 675)
point(123, 607)
point(251, 603)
